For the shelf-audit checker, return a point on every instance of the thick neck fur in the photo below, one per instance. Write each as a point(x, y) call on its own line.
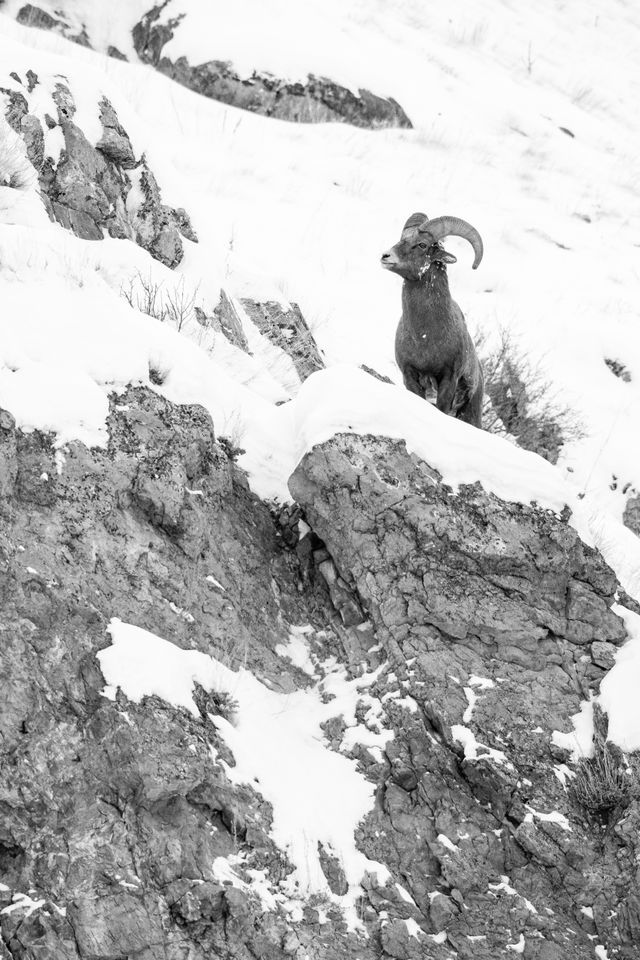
point(426, 302)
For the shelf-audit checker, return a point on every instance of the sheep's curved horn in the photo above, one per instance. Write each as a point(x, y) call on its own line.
point(442, 227)
point(415, 220)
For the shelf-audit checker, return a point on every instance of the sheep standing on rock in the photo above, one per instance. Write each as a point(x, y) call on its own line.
point(433, 346)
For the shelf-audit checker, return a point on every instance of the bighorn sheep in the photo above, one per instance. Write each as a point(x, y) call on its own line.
point(433, 346)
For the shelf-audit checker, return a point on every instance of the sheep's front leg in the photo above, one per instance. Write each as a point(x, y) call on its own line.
point(446, 394)
point(411, 381)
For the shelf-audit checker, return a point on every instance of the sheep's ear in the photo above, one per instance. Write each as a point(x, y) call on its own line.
point(415, 220)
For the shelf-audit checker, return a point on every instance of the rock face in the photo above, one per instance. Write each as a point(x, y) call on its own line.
point(282, 324)
point(89, 189)
point(488, 624)
point(318, 100)
point(494, 617)
point(631, 515)
point(33, 16)
point(114, 814)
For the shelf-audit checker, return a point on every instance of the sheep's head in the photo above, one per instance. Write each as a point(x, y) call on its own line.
point(419, 246)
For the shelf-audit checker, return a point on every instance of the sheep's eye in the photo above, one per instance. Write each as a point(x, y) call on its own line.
point(423, 246)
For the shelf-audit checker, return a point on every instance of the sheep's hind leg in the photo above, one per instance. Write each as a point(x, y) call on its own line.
point(472, 410)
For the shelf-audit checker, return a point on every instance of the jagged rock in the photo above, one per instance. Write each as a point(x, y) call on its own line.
point(114, 142)
point(333, 871)
point(618, 369)
point(227, 320)
point(33, 136)
point(114, 811)
point(87, 193)
point(398, 942)
point(154, 224)
point(115, 53)
point(33, 16)
point(32, 80)
point(631, 515)
point(183, 222)
point(342, 597)
point(16, 108)
point(317, 101)
point(150, 34)
point(8, 463)
point(87, 189)
point(498, 621)
point(282, 324)
point(286, 327)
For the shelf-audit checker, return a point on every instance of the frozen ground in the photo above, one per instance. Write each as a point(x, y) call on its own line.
point(525, 124)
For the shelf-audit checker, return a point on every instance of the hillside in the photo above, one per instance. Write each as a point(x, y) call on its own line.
point(294, 665)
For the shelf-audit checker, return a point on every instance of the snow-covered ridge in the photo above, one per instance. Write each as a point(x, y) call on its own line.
point(287, 222)
point(278, 216)
point(303, 213)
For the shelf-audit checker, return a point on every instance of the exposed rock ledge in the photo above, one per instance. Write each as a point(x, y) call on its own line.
point(92, 189)
point(490, 623)
point(317, 100)
point(496, 618)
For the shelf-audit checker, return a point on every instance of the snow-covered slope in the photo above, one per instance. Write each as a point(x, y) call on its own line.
point(524, 124)
point(284, 210)
point(296, 211)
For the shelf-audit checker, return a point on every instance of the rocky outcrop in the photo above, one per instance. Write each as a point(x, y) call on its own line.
point(285, 326)
point(631, 515)
point(91, 189)
point(113, 814)
point(494, 617)
point(318, 100)
point(487, 624)
point(281, 323)
point(31, 15)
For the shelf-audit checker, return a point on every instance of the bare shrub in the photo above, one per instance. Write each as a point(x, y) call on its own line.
point(519, 402)
point(232, 451)
point(217, 703)
point(602, 783)
point(231, 437)
point(176, 305)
